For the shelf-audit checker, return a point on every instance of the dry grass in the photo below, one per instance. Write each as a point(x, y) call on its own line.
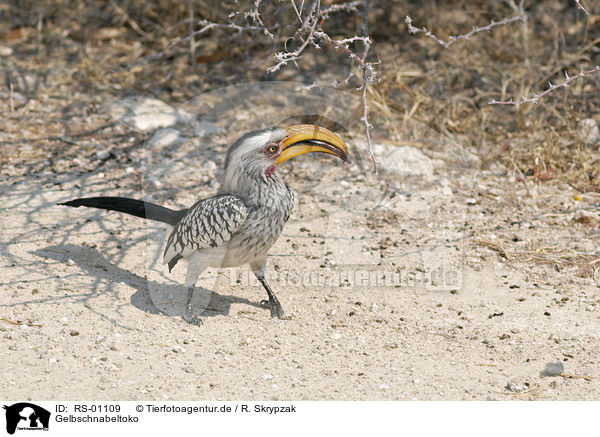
point(109, 48)
point(557, 256)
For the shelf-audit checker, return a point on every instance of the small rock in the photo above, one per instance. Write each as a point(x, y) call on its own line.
point(589, 131)
point(209, 165)
point(336, 336)
point(206, 128)
point(155, 182)
point(147, 114)
point(384, 387)
point(165, 137)
point(553, 369)
point(586, 218)
point(471, 201)
point(6, 51)
point(267, 376)
point(103, 155)
point(52, 360)
point(178, 349)
point(404, 161)
point(514, 387)
point(416, 381)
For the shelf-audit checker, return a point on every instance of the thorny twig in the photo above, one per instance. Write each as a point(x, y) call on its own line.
point(285, 57)
point(520, 16)
point(551, 87)
point(315, 34)
point(309, 32)
point(580, 6)
point(365, 118)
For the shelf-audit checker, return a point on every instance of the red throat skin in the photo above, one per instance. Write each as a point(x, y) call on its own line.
point(270, 170)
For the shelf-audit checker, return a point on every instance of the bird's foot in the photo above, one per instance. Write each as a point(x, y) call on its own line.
point(191, 318)
point(274, 306)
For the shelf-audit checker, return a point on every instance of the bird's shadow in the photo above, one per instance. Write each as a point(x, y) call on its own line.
point(97, 266)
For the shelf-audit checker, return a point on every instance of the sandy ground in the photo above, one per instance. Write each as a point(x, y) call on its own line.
point(441, 285)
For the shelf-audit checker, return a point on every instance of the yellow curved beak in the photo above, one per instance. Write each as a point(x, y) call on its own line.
point(307, 138)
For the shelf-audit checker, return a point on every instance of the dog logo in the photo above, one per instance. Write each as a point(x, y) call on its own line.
point(26, 416)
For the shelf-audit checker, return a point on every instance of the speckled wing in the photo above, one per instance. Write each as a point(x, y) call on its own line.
point(208, 223)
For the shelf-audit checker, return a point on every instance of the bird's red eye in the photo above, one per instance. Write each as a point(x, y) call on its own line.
point(272, 149)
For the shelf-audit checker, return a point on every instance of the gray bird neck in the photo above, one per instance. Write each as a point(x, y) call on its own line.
point(256, 189)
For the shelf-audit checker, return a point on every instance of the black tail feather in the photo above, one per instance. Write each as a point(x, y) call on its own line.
point(138, 208)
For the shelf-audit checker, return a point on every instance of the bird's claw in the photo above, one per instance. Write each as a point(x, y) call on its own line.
point(276, 310)
point(274, 306)
point(192, 319)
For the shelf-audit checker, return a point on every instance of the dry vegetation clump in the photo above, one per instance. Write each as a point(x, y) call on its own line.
point(177, 49)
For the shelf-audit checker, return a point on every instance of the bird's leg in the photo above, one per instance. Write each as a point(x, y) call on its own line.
point(275, 306)
point(196, 265)
point(259, 270)
point(189, 316)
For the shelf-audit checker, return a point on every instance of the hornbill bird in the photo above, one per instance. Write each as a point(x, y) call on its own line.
point(238, 225)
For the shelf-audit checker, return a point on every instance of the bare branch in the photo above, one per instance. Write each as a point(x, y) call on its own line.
point(551, 87)
point(520, 16)
point(343, 45)
point(580, 6)
point(365, 67)
point(285, 57)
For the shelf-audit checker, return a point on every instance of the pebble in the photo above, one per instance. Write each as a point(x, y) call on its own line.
point(384, 387)
point(514, 387)
point(209, 165)
point(267, 376)
point(178, 349)
point(6, 51)
point(156, 183)
point(147, 114)
point(165, 137)
point(586, 217)
point(416, 381)
point(206, 128)
point(471, 201)
point(589, 130)
point(553, 369)
point(103, 155)
point(404, 161)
